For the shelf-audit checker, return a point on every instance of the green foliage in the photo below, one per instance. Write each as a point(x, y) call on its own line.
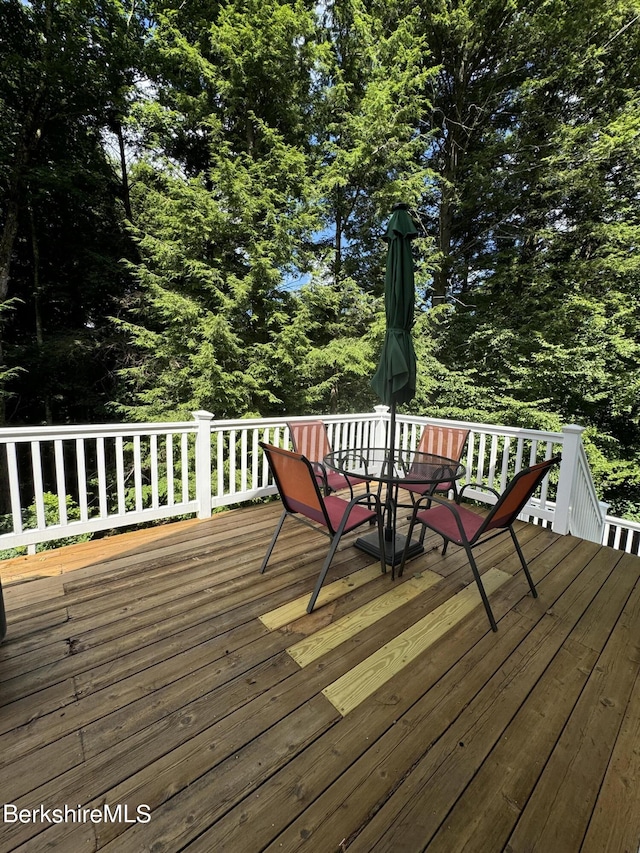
point(65, 70)
point(367, 133)
point(268, 141)
point(52, 517)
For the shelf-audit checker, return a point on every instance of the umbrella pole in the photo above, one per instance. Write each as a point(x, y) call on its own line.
point(390, 526)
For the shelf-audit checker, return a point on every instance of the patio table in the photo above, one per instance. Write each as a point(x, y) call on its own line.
point(393, 469)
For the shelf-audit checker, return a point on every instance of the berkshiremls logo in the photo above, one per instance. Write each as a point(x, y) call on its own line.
point(122, 813)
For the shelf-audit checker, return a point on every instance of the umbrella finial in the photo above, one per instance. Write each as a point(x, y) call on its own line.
point(401, 205)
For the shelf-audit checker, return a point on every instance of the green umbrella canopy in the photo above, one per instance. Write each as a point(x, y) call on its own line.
point(395, 379)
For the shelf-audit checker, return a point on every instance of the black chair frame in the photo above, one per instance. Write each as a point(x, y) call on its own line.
point(489, 524)
point(335, 534)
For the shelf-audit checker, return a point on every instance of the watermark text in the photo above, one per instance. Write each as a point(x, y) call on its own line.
point(121, 813)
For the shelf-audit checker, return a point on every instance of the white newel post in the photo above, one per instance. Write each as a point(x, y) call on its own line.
point(380, 436)
point(203, 462)
point(564, 494)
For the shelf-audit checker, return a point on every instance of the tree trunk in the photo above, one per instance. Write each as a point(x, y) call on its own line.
point(337, 257)
point(7, 239)
point(27, 141)
point(48, 415)
point(126, 197)
point(445, 221)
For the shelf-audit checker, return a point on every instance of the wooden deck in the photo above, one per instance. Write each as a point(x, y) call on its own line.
point(159, 669)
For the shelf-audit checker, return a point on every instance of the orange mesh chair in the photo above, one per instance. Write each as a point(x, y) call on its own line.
point(466, 528)
point(443, 441)
point(310, 439)
point(302, 499)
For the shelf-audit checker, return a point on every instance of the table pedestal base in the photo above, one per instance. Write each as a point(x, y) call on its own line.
point(393, 550)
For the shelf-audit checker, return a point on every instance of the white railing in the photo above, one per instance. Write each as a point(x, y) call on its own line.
point(493, 455)
point(65, 481)
point(240, 471)
point(622, 534)
point(82, 479)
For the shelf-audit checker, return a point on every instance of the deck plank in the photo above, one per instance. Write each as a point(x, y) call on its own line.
point(333, 635)
point(518, 734)
point(362, 681)
point(559, 810)
point(299, 788)
point(140, 670)
point(615, 821)
point(444, 691)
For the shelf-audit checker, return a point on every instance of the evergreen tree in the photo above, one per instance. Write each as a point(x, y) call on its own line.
point(65, 69)
point(552, 323)
point(223, 203)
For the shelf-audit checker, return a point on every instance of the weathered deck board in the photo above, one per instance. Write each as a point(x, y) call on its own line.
point(139, 670)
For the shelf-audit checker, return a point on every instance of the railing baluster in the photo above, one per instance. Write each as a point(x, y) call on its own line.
point(153, 455)
point(481, 454)
point(232, 462)
point(102, 477)
point(616, 537)
point(61, 487)
point(81, 473)
point(184, 466)
point(471, 443)
point(493, 456)
point(255, 459)
point(265, 464)
point(120, 475)
point(504, 471)
point(243, 461)
point(168, 449)
point(137, 472)
point(38, 488)
point(14, 487)
point(220, 463)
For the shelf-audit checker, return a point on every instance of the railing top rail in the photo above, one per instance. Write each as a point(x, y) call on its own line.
point(622, 522)
point(247, 423)
point(38, 432)
point(42, 433)
point(583, 463)
point(490, 429)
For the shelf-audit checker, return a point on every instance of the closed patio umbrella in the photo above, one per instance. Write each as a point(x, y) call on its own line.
point(395, 379)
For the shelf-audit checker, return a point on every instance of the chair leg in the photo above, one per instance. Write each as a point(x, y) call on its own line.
point(532, 587)
point(325, 566)
point(483, 594)
point(405, 550)
point(323, 571)
point(383, 556)
point(273, 541)
point(423, 533)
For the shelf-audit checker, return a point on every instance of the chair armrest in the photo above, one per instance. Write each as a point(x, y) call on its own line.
point(430, 498)
point(358, 457)
point(476, 486)
point(367, 497)
point(320, 473)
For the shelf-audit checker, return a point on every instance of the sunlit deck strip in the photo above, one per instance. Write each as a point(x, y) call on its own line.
point(138, 670)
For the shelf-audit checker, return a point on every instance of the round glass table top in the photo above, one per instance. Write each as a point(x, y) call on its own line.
point(408, 466)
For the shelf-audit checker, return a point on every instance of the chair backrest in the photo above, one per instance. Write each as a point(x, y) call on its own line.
point(517, 494)
point(443, 441)
point(296, 483)
point(310, 439)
